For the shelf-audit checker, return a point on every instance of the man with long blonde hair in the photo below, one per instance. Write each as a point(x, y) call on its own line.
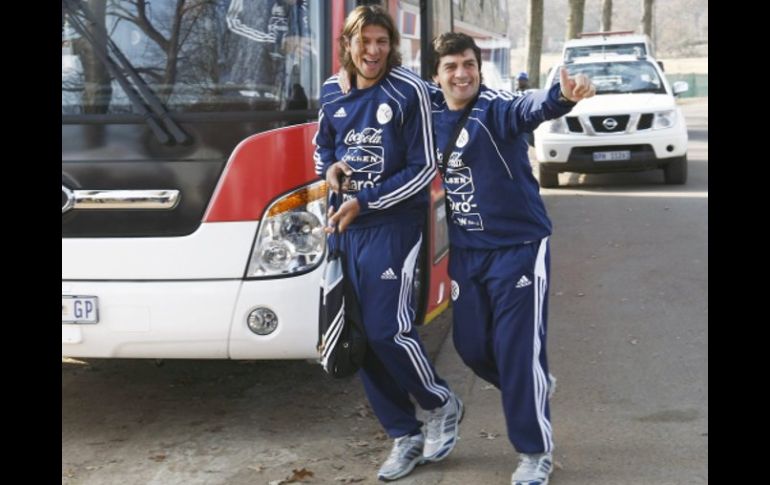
point(379, 135)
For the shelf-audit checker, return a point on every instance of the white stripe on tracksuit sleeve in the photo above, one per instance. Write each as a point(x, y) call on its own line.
point(324, 156)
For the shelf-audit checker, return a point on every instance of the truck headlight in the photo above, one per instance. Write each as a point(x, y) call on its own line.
point(291, 238)
point(558, 125)
point(664, 119)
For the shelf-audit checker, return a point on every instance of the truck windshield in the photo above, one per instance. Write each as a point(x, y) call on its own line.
point(634, 49)
point(620, 77)
point(190, 55)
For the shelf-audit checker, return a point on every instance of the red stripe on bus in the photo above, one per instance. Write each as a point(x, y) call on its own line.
point(261, 168)
point(338, 20)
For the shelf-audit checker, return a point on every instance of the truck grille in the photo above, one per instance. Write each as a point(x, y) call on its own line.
point(573, 123)
point(609, 124)
point(645, 122)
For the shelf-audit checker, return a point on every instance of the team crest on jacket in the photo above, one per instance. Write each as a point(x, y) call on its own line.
point(455, 290)
point(384, 113)
point(462, 140)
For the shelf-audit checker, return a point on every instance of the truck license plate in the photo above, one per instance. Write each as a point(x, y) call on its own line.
point(612, 156)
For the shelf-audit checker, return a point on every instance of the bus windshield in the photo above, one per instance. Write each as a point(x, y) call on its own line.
point(190, 55)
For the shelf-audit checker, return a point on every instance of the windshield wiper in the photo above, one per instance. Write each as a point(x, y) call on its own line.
point(97, 36)
point(115, 72)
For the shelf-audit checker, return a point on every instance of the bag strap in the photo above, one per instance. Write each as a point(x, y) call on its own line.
point(335, 200)
point(458, 128)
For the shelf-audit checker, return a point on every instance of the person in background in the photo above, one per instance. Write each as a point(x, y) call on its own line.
point(273, 33)
point(522, 83)
point(522, 86)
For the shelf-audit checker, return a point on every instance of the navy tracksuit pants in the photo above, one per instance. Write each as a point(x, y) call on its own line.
point(381, 261)
point(500, 303)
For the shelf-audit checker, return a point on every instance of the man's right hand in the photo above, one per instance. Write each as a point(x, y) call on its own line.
point(333, 175)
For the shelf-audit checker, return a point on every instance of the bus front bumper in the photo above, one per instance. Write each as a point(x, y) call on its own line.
point(195, 319)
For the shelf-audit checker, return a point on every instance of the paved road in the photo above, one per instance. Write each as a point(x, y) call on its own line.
point(628, 343)
point(628, 335)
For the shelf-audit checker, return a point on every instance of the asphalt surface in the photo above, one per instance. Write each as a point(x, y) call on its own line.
point(628, 338)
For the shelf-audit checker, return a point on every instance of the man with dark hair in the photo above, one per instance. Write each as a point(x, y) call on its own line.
point(499, 259)
point(380, 136)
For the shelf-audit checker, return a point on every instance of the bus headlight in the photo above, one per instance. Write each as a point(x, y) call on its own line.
point(303, 230)
point(291, 238)
point(275, 255)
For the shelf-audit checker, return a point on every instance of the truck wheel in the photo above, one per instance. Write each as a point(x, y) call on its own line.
point(675, 173)
point(548, 178)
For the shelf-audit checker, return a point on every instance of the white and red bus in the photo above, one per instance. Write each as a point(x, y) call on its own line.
point(191, 214)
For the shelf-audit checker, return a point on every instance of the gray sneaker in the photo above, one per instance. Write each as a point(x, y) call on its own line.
point(442, 428)
point(405, 455)
point(533, 469)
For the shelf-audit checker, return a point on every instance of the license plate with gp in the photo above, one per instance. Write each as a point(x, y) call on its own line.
point(79, 309)
point(612, 156)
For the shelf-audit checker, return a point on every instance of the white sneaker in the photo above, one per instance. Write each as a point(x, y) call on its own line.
point(533, 469)
point(405, 455)
point(442, 428)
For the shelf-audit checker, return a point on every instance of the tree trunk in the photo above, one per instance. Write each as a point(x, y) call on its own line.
point(172, 52)
point(647, 17)
point(606, 16)
point(534, 40)
point(97, 92)
point(575, 18)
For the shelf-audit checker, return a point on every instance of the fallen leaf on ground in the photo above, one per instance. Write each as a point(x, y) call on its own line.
point(297, 476)
point(300, 475)
point(350, 479)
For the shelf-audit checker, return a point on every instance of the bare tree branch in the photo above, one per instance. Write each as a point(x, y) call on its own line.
point(144, 23)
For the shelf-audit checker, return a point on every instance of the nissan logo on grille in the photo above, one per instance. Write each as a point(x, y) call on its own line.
point(610, 123)
point(67, 199)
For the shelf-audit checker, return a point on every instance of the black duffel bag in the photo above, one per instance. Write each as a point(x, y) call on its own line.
point(341, 336)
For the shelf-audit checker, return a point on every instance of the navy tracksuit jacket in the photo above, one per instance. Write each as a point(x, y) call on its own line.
point(499, 259)
point(384, 134)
